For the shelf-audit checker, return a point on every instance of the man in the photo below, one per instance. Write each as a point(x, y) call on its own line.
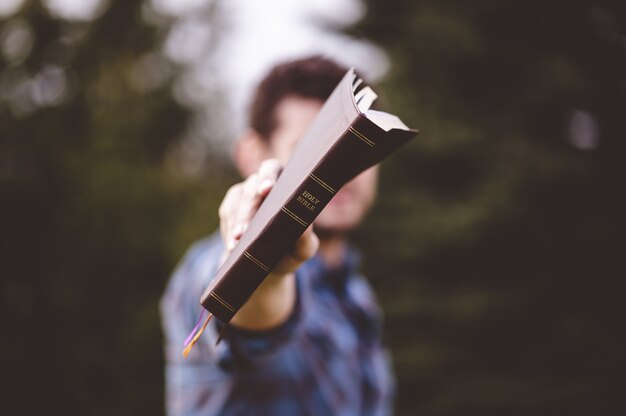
point(308, 341)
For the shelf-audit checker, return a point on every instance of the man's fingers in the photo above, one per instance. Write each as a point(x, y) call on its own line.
point(255, 189)
point(306, 245)
point(305, 248)
point(242, 201)
point(228, 210)
point(247, 206)
point(268, 173)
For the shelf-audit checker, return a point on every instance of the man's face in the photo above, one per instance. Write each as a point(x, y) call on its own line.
point(349, 206)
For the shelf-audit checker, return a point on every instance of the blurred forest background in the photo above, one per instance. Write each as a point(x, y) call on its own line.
point(497, 246)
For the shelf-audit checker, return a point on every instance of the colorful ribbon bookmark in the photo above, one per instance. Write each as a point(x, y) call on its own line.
point(195, 333)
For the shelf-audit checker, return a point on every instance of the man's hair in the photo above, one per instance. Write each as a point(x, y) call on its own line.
point(314, 77)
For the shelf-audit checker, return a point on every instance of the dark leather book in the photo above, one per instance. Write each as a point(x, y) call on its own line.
point(344, 139)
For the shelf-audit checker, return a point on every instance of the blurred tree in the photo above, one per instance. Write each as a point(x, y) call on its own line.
point(501, 284)
point(92, 217)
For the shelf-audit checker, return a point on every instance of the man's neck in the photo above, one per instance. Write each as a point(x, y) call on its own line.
point(332, 249)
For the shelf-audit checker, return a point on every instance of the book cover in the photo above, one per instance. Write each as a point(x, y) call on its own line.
point(345, 138)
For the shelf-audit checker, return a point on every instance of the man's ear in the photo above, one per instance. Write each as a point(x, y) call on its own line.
point(250, 150)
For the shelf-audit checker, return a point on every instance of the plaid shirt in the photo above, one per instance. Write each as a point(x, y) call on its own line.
point(326, 359)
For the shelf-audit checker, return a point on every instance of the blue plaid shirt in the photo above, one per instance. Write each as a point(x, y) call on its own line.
point(326, 359)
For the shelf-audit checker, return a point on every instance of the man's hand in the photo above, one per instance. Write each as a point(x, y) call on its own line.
point(273, 300)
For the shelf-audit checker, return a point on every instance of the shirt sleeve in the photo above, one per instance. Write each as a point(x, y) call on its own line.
point(238, 348)
point(248, 348)
point(180, 304)
point(191, 384)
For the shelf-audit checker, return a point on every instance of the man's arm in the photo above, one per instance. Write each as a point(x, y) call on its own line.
point(272, 302)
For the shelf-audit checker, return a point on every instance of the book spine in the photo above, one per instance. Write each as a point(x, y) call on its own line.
point(352, 153)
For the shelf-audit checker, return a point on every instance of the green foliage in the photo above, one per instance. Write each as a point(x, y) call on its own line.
point(495, 247)
point(93, 221)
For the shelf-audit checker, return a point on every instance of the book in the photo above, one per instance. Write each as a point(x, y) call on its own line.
point(344, 139)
